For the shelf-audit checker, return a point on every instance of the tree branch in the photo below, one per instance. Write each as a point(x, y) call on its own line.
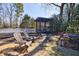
point(55, 4)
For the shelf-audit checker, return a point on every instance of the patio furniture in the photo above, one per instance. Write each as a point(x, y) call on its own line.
point(33, 38)
point(23, 44)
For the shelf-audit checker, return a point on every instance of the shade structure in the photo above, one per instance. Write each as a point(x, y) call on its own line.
point(43, 25)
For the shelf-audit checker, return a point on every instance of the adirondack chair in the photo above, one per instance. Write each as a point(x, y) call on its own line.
point(32, 38)
point(22, 43)
point(27, 36)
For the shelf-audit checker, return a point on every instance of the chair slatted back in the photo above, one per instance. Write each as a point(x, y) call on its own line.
point(18, 37)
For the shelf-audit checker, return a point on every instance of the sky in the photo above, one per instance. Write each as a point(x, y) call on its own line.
point(39, 10)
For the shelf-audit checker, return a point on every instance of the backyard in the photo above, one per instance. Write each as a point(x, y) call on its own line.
point(26, 29)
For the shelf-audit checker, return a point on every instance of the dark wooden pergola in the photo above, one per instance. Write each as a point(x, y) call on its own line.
point(42, 25)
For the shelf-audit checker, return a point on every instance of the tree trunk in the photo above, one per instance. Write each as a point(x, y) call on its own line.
point(16, 22)
point(61, 16)
point(70, 12)
point(10, 22)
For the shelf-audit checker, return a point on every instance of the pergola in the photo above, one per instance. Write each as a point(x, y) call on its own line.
point(42, 25)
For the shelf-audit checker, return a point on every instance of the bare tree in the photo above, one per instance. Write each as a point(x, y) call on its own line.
point(10, 12)
point(61, 6)
point(2, 14)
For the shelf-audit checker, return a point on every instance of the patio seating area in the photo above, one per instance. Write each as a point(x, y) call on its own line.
point(16, 45)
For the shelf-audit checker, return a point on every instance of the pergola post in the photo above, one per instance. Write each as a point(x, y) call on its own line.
point(36, 26)
point(45, 25)
point(40, 25)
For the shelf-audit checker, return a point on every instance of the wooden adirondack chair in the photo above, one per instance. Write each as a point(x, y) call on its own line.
point(23, 44)
point(32, 38)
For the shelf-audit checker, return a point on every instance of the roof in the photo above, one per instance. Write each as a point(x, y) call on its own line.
point(42, 19)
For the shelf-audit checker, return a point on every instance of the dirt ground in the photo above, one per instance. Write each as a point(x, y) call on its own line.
point(50, 48)
point(41, 47)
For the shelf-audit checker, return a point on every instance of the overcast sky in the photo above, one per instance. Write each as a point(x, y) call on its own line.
point(39, 10)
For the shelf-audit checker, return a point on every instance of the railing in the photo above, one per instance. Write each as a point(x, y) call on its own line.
point(11, 30)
